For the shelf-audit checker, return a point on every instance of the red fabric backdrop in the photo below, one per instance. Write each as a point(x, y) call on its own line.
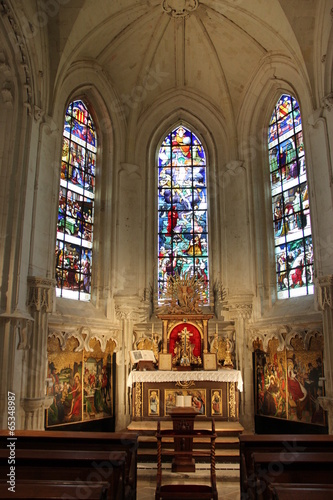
point(195, 339)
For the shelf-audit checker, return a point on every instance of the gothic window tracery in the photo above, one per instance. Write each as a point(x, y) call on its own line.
point(290, 201)
point(182, 209)
point(76, 204)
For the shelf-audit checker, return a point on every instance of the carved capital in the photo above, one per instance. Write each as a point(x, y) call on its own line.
point(33, 404)
point(40, 293)
point(241, 309)
point(132, 308)
point(324, 292)
point(179, 8)
point(38, 113)
point(327, 101)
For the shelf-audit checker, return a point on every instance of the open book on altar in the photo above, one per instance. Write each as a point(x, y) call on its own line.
point(143, 355)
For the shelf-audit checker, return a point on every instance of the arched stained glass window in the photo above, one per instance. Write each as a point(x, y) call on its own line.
point(76, 204)
point(290, 201)
point(182, 208)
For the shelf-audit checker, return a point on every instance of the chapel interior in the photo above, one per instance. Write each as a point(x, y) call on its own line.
point(150, 143)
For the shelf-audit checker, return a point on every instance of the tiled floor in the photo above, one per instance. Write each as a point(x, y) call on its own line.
point(227, 481)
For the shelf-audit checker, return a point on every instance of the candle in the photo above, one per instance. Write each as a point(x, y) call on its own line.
point(216, 328)
point(152, 329)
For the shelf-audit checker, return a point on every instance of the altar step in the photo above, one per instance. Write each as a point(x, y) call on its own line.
point(227, 442)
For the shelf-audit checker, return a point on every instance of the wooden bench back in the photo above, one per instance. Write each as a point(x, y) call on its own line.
point(84, 441)
point(67, 465)
point(55, 490)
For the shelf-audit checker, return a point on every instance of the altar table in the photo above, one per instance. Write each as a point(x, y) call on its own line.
point(213, 393)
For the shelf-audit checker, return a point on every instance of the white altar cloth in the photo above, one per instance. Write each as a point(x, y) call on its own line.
point(223, 375)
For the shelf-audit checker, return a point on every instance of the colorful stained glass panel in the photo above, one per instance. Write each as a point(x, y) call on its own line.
point(290, 201)
point(182, 208)
point(76, 205)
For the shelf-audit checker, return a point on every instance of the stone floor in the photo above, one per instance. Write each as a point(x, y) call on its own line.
point(227, 480)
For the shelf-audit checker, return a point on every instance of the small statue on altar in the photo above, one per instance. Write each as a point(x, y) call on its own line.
point(183, 351)
point(228, 361)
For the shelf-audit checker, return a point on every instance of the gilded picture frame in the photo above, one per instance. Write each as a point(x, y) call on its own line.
point(153, 402)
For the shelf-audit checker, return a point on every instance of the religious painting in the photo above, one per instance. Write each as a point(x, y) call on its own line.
point(81, 383)
point(198, 397)
point(304, 370)
point(154, 402)
point(97, 388)
point(288, 385)
point(67, 393)
point(271, 380)
point(216, 401)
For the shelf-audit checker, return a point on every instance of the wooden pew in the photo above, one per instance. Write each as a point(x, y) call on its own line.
point(304, 491)
point(271, 468)
point(289, 447)
point(55, 490)
point(84, 441)
point(81, 467)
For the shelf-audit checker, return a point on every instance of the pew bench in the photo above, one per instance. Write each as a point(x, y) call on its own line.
point(304, 491)
point(288, 446)
point(84, 441)
point(55, 490)
point(69, 466)
point(275, 469)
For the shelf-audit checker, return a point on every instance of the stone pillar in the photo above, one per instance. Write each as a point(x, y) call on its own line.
point(324, 295)
point(241, 312)
point(129, 310)
point(34, 400)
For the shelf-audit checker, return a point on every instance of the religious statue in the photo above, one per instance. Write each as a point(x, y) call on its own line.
point(183, 350)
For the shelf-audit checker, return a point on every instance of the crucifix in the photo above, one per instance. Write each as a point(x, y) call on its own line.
point(186, 347)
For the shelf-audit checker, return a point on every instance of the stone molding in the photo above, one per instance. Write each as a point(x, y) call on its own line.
point(327, 101)
point(324, 292)
point(179, 8)
point(83, 335)
point(19, 46)
point(40, 293)
point(132, 308)
point(285, 334)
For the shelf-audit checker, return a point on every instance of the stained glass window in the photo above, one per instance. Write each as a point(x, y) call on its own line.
point(182, 209)
point(76, 204)
point(290, 201)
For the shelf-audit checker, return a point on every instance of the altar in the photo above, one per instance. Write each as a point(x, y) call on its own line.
point(211, 393)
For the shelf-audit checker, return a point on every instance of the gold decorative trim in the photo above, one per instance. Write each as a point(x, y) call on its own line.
point(186, 384)
point(232, 400)
point(138, 400)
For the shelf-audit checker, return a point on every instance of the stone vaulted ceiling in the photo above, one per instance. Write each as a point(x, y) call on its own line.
point(212, 48)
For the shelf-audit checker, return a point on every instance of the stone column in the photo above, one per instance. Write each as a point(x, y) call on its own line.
point(241, 312)
point(324, 295)
point(129, 311)
point(34, 400)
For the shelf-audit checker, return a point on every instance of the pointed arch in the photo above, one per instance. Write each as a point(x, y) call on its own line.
point(182, 208)
point(76, 204)
point(290, 201)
